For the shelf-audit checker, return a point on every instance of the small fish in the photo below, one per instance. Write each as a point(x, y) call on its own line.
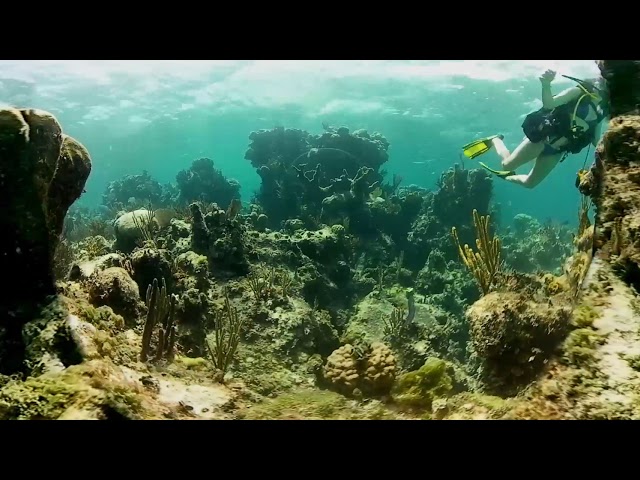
point(234, 208)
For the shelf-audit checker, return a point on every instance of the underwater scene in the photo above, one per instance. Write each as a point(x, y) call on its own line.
point(320, 240)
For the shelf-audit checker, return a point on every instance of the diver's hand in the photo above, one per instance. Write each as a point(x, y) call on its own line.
point(547, 77)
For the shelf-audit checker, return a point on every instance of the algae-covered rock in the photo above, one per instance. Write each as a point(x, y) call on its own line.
point(579, 350)
point(514, 336)
point(420, 388)
point(293, 225)
point(83, 334)
point(193, 265)
point(221, 236)
point(95, 390)
point(179, 229)
point(283, 346)
point(193, 315)
point(369, 320)
point(84, 270)
point(49, 343)
point(299, 328)
point(115, 288)
point(92, 247)
point(150, 264)
point(319, 243)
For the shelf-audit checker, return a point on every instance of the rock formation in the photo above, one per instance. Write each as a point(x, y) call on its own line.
point(42, 172)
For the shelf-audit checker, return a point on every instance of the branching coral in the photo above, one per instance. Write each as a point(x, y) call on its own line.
point(226, 337)
point(484, 264)
point(161, 308)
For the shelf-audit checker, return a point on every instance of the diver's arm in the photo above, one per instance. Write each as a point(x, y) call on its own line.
point(547, 96)
point(550, 102)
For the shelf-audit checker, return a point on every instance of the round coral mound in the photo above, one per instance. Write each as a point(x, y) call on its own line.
point(341, 370)
point(369, 370)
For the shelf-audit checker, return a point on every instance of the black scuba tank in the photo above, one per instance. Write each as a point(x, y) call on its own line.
point(541, 124)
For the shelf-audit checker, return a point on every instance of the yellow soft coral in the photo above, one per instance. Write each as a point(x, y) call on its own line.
point(484, 264)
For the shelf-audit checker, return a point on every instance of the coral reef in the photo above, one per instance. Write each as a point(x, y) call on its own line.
point(137, 191)
point(220, 236)
point(302, 174)
point(531, 247)
point(204, 183)
point(334, 295)
point(459, 192)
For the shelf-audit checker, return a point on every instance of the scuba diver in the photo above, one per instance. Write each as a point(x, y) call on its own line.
point(566, 123)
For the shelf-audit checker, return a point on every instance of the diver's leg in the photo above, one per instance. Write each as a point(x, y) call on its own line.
point(524, 153)
point(542, 168)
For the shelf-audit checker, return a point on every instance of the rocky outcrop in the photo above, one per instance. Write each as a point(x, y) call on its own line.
point(42, 172)
point(618, 199)
point(623, 82)
point(513, 336)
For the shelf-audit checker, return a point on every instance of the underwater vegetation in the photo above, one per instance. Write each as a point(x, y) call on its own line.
point(336, 293)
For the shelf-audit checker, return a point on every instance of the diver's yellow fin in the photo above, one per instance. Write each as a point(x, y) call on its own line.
point(478, 147)
point(499, 173)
